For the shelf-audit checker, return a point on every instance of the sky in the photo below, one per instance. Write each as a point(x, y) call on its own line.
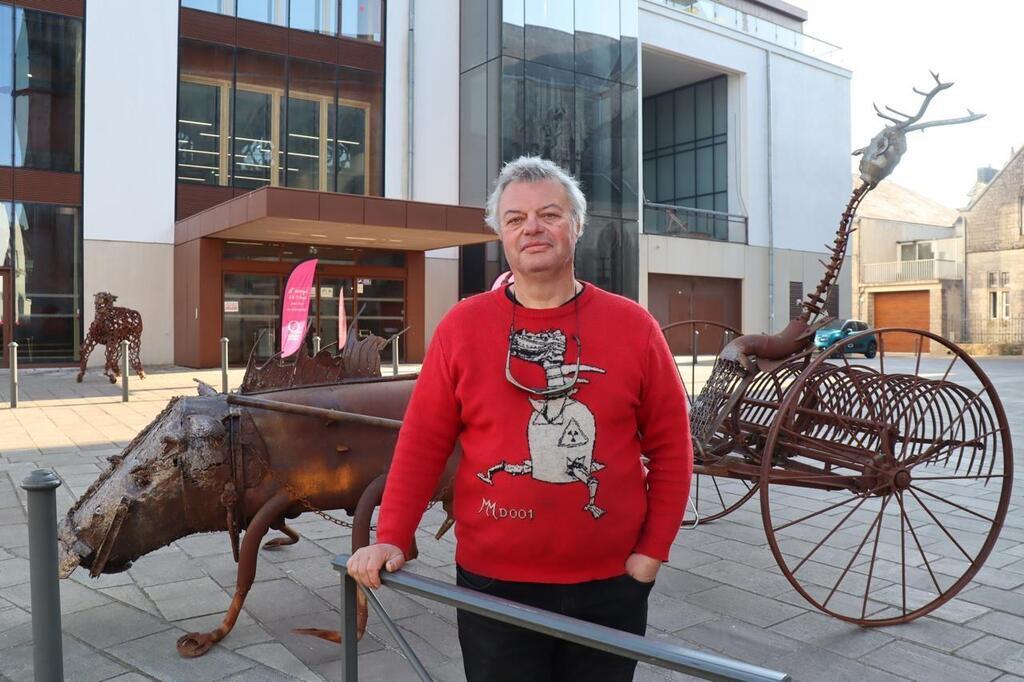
point(890, 46)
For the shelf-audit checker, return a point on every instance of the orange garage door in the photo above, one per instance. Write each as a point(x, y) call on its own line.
point(902, 309)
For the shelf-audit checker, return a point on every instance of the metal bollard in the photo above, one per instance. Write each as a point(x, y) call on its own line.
point(124, 371)
point(316, 344)
point(223, 364)
point(394, 356)
point(47, 648)
point(12, 348)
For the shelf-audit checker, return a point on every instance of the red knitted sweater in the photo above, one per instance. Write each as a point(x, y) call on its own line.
point(549, 489)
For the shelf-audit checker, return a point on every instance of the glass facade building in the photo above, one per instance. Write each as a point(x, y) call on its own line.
point(558, 80)
point(41, 86)
point(359, 19)
point(249, 119)
point(685, 153)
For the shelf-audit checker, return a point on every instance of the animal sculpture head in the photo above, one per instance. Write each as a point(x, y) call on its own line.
point(104, 301)
point(164, 485)
point(885, 150)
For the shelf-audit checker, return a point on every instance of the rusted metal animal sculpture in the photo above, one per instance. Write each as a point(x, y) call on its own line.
point(242, 462)
point(882, 453)
point(112, 325)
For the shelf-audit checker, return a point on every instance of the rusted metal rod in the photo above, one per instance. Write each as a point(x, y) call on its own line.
point(316, 412)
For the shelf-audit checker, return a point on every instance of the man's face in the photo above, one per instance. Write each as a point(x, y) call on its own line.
point(536, 231)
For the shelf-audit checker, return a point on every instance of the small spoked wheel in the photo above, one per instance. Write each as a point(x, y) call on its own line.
point(884, 484)
point(695, 345)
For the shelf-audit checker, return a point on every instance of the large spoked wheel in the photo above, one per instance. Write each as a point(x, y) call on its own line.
point(695, 345)
point(897, 476)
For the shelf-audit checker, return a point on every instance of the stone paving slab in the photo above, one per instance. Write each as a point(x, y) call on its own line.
point(720, 592)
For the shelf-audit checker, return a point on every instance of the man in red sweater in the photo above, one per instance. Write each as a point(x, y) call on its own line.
point(554, 389)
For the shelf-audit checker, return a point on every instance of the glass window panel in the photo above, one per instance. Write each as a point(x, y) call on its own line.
point(686, 179)
point(256, 150)
point(358, 151)
point(549, 32)
point(319, 16)
point(550, 113)
point(648, 120)
point(924, 251)
point(48, 91)
point(47, 282)
point(630, 153)
point(721, 168)
point(596, 38)
point(663, 108)
point(473, 136)
point(6, 234)
point(702, 95)
point(331, 291)
point(361, 19)
point(252, 251)
point(251, 327)
point(6, 93)
point(218, 6)
point(705, 170)
point(513, 105)
point(472, 34)
point(311, 88)
point(630, 260)
point(599, 254)
point(908, 252)
point(665, 189)
point(199, 130)
point(204, 113)
point(684, 119)
point(599, 151)
point(513, 35)
point(265, 11)
point(719, 86)
point(629, 20)
point(650, 180)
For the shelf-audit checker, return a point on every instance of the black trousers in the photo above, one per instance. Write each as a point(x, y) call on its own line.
point(493, 651)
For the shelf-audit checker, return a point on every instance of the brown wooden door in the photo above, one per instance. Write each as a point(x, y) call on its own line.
point(902, 309)
point(674, 298)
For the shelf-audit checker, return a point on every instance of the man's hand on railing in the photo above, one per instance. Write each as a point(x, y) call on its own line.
point(364, 566)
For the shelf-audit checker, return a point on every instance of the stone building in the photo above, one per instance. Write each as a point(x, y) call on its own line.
point(993, 224)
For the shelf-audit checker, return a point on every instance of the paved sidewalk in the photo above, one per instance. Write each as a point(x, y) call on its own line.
point(721, 591)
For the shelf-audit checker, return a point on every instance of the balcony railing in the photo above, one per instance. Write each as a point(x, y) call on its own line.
point(911, 271)
point(756, 26)
point(695, 223)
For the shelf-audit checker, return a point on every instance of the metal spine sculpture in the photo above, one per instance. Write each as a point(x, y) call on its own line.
point(112, 325)
point(881, 450)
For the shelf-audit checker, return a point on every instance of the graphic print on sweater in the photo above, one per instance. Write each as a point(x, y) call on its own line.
point(561, 430)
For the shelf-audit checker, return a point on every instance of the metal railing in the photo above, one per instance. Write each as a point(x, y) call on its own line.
point(661, 654)
point(985, 330)
point(756, 26)
point(911, 271)
point(695, 223)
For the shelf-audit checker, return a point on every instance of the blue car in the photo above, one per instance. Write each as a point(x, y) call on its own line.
point(836, 330)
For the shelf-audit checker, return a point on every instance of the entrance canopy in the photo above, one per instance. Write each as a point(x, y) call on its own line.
point(295, 215)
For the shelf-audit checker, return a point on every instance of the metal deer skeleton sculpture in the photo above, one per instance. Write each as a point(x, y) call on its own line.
point(881, 454)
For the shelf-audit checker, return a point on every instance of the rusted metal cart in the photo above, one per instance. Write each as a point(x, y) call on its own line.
point(883, 483)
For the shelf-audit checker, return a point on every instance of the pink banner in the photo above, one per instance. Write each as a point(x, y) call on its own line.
point(504, 278)
point(342, 321)
point(295, 306)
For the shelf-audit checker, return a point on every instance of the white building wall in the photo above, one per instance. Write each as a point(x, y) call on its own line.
point(131, 74)
point(131, 85)
point(435, 129)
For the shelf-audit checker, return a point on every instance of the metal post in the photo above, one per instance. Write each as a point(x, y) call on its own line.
point(47, 647)
point(223, 364)
point(316, 344)
point(124, 371)
point(12, 348)
point(394, 355)
point(693, 367)
point(350, 659)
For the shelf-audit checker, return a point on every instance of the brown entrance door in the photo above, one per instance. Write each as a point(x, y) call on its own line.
point(6, 323)
point(674, 298)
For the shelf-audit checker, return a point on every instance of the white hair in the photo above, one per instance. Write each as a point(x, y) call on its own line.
point(537, 169)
